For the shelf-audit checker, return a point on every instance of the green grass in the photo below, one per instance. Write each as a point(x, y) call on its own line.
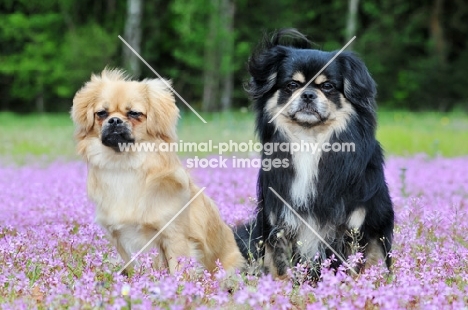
point(51, 135)
point(406, 133)
point(48, 135)
point(400, 133)
point(220, 127)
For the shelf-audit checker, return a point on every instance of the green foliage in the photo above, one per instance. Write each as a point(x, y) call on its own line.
point(30, 54)
point(49, 48)
point(48, 56)
point(397, 44)
point(189, 23)
point(77, 60)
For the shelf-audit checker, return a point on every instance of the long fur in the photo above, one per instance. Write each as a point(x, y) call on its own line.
point(137, 193)
point(337, 193)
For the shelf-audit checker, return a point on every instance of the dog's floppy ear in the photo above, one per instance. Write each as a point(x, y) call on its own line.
point(263, 64)
point(82, 112)
point(359, 87)
point(162, 111)
point(263, 69)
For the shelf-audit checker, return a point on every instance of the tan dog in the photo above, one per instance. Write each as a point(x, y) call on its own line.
point(137, 193)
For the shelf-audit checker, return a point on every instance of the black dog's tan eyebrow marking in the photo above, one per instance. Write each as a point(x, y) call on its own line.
point(320, 79)
point(298, 76)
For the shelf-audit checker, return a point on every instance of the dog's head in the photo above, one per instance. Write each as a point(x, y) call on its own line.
point(280, 74)
point(115, 110)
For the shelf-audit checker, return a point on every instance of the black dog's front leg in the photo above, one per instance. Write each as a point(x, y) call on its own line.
point(278, 253)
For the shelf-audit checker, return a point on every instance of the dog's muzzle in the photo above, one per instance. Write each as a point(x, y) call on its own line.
point(116, 132)
point(308, 105)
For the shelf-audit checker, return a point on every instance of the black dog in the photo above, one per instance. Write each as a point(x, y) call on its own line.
point(339, 189)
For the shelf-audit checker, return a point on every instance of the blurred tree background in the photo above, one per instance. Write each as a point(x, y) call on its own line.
point(417, 51)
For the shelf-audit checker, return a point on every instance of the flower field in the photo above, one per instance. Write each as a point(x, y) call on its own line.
point(53, 255)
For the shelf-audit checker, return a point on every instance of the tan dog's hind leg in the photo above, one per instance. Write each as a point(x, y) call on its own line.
point(175, 245)
point(125, 256)
point(231, 258)
point(214, 239)
point(159, 261)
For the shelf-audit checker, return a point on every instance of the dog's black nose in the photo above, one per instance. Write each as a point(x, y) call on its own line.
point(308, 96)
point(115, 121)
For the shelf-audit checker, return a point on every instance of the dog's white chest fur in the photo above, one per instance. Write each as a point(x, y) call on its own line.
point(120, 206)
point(306, 167)
point(303, 187)
point(120, 195)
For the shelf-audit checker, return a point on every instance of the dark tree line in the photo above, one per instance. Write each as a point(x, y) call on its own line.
point(417, 51)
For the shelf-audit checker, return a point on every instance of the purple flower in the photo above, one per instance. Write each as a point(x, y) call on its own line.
point(53, 255)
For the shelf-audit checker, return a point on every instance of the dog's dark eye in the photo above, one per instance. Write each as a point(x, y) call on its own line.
point(293, 86)
point(327, 86)
point(134, 114)
point(102, 114)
